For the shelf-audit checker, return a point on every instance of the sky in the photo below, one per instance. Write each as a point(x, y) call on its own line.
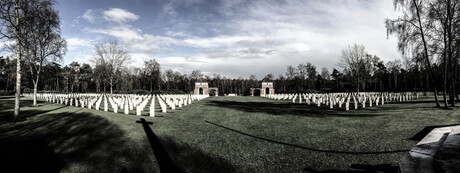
point(233, 38)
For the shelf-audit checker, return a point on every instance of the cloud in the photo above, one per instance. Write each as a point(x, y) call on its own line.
point(89, 15)
point(177, 34)
point(84, 58)
point(123, 32)
point(169, 10)
point(74, 41)
point(238, 38)
point(119, 15)
point(136, 41)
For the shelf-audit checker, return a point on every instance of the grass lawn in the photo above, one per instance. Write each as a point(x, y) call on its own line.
point(218, 134)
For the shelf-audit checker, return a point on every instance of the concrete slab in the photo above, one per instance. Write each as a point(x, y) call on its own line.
point(421, 158)
point(447, 158)
point(415, 163)
point(430, 143)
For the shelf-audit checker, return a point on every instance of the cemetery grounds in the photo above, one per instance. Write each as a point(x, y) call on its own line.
point(217, 134)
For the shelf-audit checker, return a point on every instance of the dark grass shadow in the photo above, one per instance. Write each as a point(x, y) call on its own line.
point(306, 148)
point(95, 143)
point(8, 97)
point(414, 102)
point(287, 109)
point(163, 159)
point(419, 104)
point(361, 168)
point(6, 117)
point(385, 168)
point(421, 134)
point(193, 159)
point(7, 108)
point(8, 103)
point(31, 155)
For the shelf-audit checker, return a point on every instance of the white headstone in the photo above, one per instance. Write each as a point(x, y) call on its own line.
point(126, 108)
point(138, 110)
point(106, 106)
point(152, 107)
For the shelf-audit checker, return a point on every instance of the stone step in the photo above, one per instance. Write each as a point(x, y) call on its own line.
point(447, 158)
point(421, 158)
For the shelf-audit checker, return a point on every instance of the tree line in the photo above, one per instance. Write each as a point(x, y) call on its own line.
point(371, 74)
point(428, 31)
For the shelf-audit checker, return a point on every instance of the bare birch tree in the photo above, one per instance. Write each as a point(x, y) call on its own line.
point(413, 32)
point(354, 59)
point(13, 21)
point(113, 56)
point(43, 42)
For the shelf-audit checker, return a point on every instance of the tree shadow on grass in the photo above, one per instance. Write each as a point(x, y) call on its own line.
point(8, 103)
point(24, 114)
point(414, 102)
point(384, 168)
point(307, 148)
point(287, 109)
point(7, 108)
point(163, 159)
point(31, 155)
point(193, 159)
point(86, 142)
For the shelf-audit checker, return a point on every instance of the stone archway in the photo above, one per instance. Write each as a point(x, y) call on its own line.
point(256, 91)
point(201, 87)
point(267, 87)
point(214, 90)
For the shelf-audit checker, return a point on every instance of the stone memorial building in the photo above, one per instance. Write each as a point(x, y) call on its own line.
point(266, 88)
point(202, 88)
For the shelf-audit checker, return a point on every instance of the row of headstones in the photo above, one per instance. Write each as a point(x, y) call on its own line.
point(339, 99)
point(127, 102)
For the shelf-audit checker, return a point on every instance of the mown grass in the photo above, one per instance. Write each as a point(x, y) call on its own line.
point(220, 134)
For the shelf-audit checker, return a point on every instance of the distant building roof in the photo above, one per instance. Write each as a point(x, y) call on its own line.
point(266, 79)
point(201, 80)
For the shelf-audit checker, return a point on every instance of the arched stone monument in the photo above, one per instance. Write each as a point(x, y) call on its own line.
point(266, 88)
point(202, 88)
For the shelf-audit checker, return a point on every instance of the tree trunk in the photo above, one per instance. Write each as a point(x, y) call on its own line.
point(444, 87)
point(456, 79)
point(57, 84)
point(151, 83)
point(111, 86)
point(36, 87)
point(449, 53)
point(389, 83)
point(405, 82)
point(35, 94)
point(426, 55)
point(396, 81)
point(427, 81)
point(357, 89)
point(18, 65)
point(7, 84)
